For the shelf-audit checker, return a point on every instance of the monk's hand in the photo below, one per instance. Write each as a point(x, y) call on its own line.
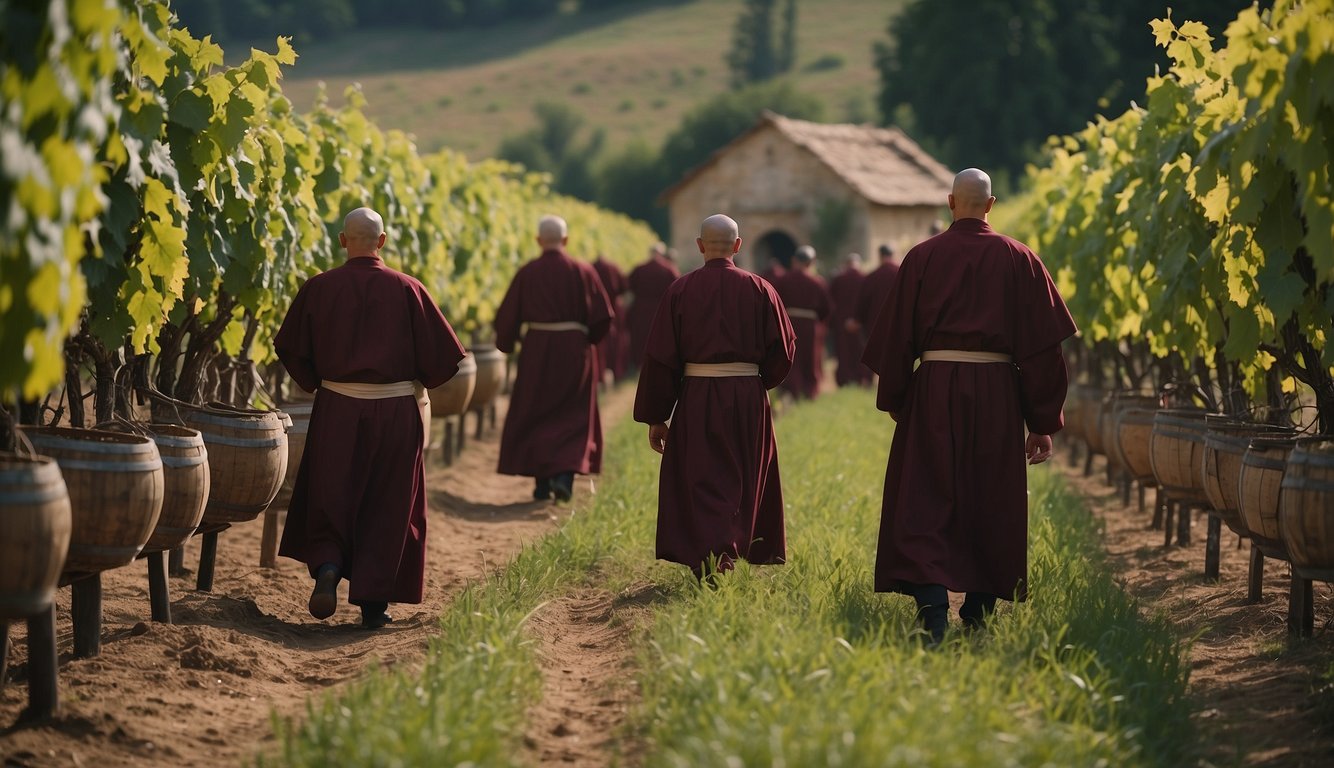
point(657, 437)
point(1037, 448)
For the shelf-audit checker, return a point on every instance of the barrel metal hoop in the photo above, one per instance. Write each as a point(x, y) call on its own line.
point(131, 446)
point(109, 466)
point(45, 471)
point(1263, 462)
point(179, 442)
point(39, 496)
point(180, 462)
point(240, 442)
point(235, 422)
point(1300, 483)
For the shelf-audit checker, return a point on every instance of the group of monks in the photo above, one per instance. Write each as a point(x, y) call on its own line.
point(964, 335)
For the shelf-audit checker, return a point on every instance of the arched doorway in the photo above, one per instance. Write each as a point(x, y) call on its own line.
point(773, 244)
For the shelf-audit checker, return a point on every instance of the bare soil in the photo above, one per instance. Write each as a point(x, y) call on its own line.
point(201, 691)
point(1258, 692)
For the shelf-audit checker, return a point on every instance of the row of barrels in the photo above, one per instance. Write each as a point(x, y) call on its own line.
point(83, 501)
point(1270, 484)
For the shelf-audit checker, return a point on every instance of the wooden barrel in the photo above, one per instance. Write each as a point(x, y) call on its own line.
point(247, 460)
point(115, 484)
point(451, 398)
point(1135, 438)
point(1121, 403)
point(1074, 414)
point(490, 375)
point(296, 447)
point(1259, 489)
point(1306, 508)
point(1091, 399)
point(1225, 443)
point(1176, 451)
point(34, 533)
point(186, 485)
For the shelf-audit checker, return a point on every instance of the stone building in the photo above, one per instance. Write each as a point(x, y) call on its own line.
point(841, 188)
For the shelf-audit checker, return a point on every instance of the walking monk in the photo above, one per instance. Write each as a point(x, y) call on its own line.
point(983, 316)
point(371, 340)
point(553, 431)
point(807, 300)
point(849, 338)
point(875, 289)
point(720, 339)
point(648, 282)
point(614, 349)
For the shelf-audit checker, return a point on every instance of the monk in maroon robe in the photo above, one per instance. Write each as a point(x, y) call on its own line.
point(849, 337)
point(648, 282)
point(360, 336)
point(808, 304)
point(720, 340)
point(875, 289)
point(982, 314)
point(773, 270)
point(614, 349)
point(553, 430)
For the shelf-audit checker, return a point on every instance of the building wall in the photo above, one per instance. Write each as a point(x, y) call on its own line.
point(766, 183)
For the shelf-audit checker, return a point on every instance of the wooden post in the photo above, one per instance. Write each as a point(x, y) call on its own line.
point(1212, 544)
point(159, 593)
point(1125, 489)
point(208, 551)
point(1256, 578)
point(1301, 607)
point(43, 696)
point(4, 652)
point(463, 434)
point(268, 543)
point(1169, 507)
point(86, 611)
point(1184, 518)
point(1142, 494)
point(1159, 508)
point(480, 413)
point(447, 445)
point(176, 561)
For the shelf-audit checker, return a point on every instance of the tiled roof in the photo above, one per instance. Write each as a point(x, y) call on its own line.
point(883, 165)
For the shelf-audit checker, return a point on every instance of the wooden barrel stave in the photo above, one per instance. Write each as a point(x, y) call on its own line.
point(1177, 451)
point(452, 397)
point(1259, 490)
point(1225, 443)
point(247, 461)
point(490, 375)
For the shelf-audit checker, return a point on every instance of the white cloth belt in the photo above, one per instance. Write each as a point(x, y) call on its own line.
point(567, 325)
point(364, 391)
point(964, 356)
point(809, 314)
point(721, 370)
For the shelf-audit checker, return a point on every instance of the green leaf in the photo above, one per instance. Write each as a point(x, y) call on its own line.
point(192, 109)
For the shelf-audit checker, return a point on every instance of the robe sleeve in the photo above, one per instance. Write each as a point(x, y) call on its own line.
point(508, 318)
point(891, 348)
point(660, 375)
point(780, 340)
point(1042, 319)
point(1042, 386)
point(439, 351)
point(294, 345)
point(597, 306)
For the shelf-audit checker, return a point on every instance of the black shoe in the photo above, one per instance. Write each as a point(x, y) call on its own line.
point(934, 619)
point(562, 486)
point(373, 615)
point(543, 490)
point(324, 598)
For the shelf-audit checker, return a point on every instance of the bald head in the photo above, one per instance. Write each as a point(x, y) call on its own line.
point(803, 257)
point(719, 237)
point(552, 232)
point(363, 232)
point(971, 196)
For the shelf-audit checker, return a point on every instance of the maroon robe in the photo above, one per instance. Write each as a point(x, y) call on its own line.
point(359, 500)
point(956, 505)
point(875, 289)
point(553, 425)
point(614, 349)
point(804, 290)
point(849, 345)
point(648, 282)
point(719, 492)
point(772, 272)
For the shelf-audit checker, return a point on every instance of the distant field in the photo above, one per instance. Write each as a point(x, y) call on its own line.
point(631, 72)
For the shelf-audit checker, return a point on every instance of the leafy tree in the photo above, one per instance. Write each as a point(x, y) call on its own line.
point(717, 121)
point(990, 91)
point(629, 182)
point(551, 147)
point(755, 55)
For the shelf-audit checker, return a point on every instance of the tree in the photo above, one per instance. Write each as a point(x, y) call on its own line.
point(550, 147)
point(1033, 69)
point(755, 55)
point(717, 121)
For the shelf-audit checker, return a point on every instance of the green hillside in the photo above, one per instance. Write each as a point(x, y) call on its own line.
point(633, 73)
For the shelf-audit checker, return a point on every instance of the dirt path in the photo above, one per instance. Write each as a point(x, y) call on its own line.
point(1253, 686)
point(200, 691)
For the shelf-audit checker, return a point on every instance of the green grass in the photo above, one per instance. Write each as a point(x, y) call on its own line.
point(668, 52)
point(794, 665)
